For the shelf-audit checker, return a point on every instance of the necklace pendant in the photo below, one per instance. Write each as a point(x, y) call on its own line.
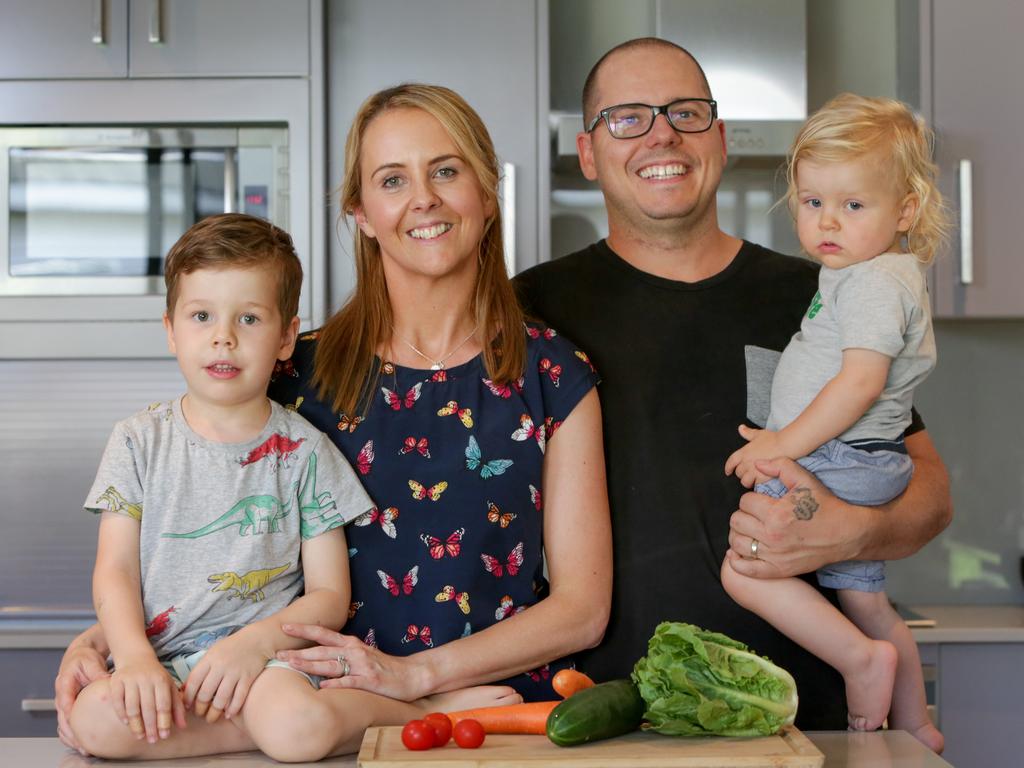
point(437, 366)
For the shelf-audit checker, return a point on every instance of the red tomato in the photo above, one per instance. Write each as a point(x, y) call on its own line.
point(418, 734)
point(469, 734)
point(442, 727)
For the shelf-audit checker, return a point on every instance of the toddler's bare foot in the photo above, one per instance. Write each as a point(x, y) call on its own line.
point(470, 698)
point(869, 687)
point(927, 734)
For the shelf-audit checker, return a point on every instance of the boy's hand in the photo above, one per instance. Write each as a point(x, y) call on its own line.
point(761, 444)
point(146, 698)
point(220, 682)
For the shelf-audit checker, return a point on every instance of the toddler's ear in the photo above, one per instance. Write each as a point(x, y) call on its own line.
point(169, 327)
point(908, 212)
point(288, 337)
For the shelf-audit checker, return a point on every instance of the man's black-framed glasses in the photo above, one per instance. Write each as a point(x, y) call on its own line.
point(629, 121)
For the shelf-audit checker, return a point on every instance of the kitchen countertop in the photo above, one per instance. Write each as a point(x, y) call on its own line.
point(842, 749)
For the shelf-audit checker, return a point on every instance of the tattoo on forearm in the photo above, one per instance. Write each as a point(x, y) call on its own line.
point(804, 504)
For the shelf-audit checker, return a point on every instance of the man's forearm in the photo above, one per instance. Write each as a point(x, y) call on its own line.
point(901, 527)
point(94, 638)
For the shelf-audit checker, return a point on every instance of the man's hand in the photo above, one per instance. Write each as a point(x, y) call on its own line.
point(804, 530)
point(761, 444)
point(81, 665)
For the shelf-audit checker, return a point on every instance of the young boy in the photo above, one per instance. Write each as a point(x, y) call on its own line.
point(222, 517)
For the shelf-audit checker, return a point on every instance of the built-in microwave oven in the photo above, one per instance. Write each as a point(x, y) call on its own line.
point(92, 210)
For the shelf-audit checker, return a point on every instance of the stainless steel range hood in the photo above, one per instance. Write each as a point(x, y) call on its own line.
point(754, 53)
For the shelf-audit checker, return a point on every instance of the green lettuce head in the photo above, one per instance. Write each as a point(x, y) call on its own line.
point(699, 683)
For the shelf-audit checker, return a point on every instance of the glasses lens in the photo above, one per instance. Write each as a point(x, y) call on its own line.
point(690, 116)
point(629, 120)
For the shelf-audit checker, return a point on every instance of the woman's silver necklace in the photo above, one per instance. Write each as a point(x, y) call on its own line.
point(438, 363)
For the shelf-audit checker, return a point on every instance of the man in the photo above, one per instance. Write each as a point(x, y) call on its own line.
point(684, 324)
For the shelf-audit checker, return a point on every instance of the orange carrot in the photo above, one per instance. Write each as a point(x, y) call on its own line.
point(531, 717)
point(566, 682)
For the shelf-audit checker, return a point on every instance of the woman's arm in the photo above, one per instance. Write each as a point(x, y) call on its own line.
point(809, 527)
point(84, 661)
point(577, 536)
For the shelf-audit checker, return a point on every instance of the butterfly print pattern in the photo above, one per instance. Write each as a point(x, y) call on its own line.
point(470, 452)
point(386, 518)
point(512, 563)
point(448, 593)
point(451, 546)
point(421, 446)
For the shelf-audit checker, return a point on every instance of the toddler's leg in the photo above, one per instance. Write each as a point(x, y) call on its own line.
point(102, 734)
point(874, 615)
point(802, 613)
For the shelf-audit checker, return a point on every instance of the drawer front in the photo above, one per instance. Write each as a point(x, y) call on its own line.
point(27, 691)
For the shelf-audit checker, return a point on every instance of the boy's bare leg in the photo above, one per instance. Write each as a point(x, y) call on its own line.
point(102, 734)
point(874, 615)
point(800, 612)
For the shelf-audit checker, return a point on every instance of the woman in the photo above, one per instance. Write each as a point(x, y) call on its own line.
point(464, 424)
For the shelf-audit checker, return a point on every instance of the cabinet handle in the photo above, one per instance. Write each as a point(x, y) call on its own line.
point(508, 215)
point(156, 33)
point(98, 21)
point(966, 225)
point(38, 705)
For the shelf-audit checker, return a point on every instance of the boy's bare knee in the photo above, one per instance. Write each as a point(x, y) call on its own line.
point(97, 727)
point(299, 733)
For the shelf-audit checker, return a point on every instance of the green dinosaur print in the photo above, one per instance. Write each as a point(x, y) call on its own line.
point(249, 586)
point(313, 507)
point(253, 514)
point(815, 307)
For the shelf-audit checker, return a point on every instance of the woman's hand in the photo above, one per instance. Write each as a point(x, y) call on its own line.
point(81, 665)
point(220, 682)
point(367, 668)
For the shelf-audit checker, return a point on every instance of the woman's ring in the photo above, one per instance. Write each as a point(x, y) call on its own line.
point(754, 545)
point(345, 669)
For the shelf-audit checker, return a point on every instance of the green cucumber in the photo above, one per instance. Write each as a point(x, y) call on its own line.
point(602, 712)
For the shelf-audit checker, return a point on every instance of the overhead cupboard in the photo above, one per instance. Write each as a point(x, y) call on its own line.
point(123, 123)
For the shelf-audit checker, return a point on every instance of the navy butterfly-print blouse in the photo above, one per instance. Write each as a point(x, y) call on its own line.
point(453, 463)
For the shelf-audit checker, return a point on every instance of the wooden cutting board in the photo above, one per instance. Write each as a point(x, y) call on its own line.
point(382, 748)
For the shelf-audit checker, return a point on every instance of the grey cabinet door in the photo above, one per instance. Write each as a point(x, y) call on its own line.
point(486, 50)
point(978, 109)
point(61, 39)
point(219, 38)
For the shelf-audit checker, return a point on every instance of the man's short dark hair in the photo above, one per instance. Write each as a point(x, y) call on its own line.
point(589, 108)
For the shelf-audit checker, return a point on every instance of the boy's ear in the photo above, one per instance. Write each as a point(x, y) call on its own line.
point(169, 327)
point(289, 336)
point(908, 212)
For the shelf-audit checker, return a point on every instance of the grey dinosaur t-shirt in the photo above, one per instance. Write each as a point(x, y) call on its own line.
point(880, 304)
point(221, 523)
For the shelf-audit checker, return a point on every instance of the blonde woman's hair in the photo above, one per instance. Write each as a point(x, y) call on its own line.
point(850, 127)
point(344, 371)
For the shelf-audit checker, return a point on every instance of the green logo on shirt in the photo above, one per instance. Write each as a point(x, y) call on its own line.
point(815, 307)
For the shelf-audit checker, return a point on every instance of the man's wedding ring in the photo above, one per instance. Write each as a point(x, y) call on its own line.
point(345, 669)
point(754, 545)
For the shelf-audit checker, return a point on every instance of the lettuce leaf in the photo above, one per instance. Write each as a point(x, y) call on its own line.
point(700, 683)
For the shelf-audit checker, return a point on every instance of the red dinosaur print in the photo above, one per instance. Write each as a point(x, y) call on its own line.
point(276, 447)
point(160, 622)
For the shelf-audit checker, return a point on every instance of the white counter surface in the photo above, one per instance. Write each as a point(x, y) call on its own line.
point(882, 749)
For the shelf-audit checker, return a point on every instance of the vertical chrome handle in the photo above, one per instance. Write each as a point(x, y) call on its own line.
point(966, 225)
point(156, 32)
point(230, 180)
point(98, 8)
point(508, 215)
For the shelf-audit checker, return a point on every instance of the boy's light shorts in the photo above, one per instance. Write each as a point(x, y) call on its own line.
point(180, 666)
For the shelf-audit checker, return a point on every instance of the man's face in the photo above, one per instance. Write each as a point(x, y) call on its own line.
point(663, 177)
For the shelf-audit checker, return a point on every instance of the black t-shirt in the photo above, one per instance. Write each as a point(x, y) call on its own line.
point(672, 358)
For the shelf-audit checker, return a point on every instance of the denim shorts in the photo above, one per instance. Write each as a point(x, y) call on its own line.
point(180, 666)
point(857, 476)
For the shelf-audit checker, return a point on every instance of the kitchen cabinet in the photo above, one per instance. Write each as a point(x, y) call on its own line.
point(26, 699)
point(970, 90)
point(43, 39)
point(489, 51)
